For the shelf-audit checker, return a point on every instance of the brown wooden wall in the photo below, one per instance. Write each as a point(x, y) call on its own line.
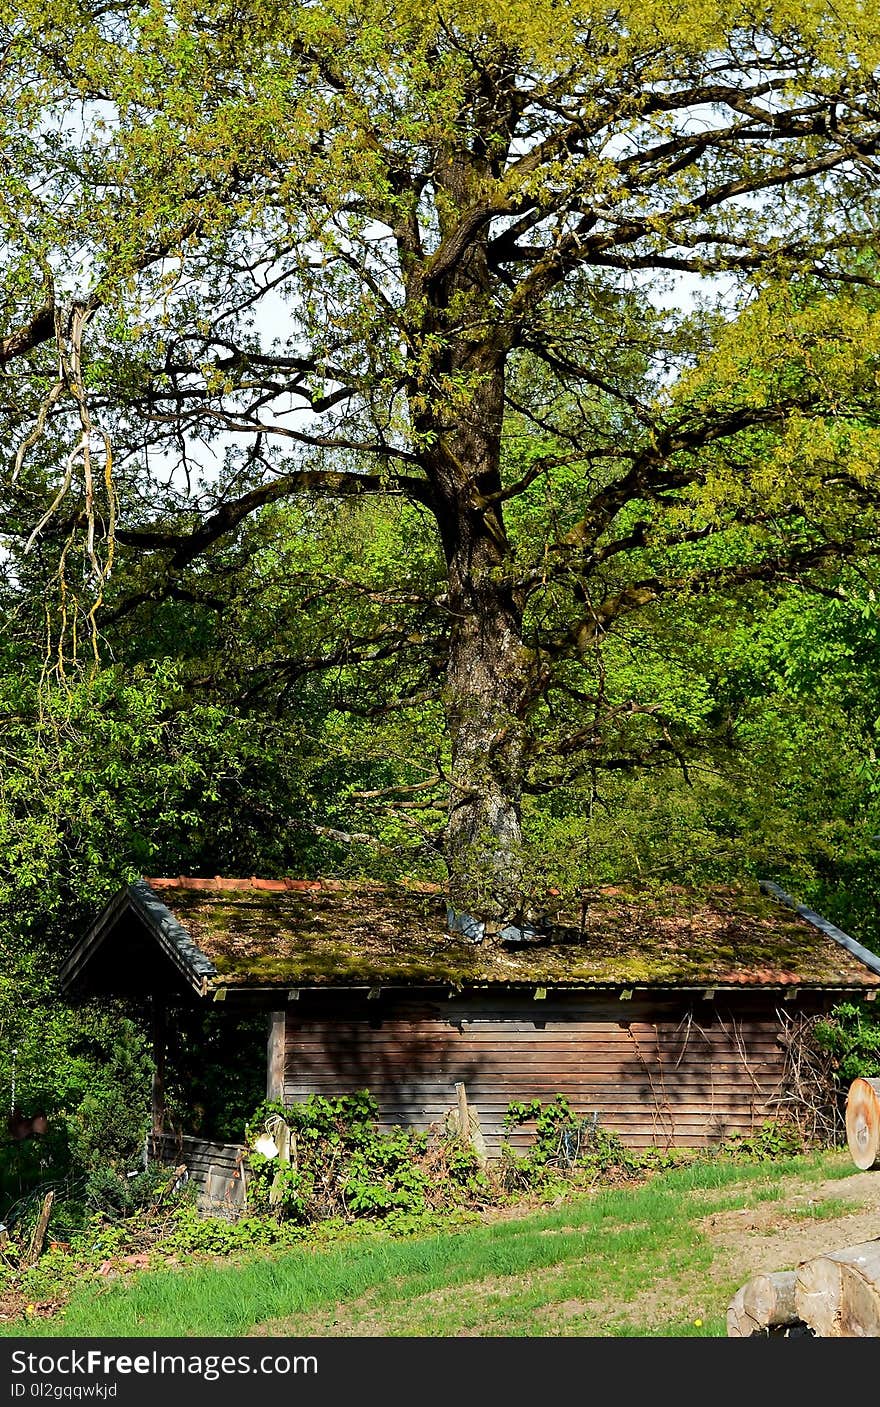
point(218, 1170)
point(656, 1072)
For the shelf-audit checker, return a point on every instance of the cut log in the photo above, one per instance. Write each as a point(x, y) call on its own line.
point(769, 1300)
point(740, 1325)
point(838, 1294)
point(863, 1123)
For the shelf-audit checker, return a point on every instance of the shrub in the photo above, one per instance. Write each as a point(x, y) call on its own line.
point(341, 1164)
point(191, 1233)
point(568, 1145)
point(851, 1034)
point(774, 1139)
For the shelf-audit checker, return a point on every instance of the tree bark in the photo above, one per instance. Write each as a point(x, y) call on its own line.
point(486, 688)
point(488, 670)
point(458, 410)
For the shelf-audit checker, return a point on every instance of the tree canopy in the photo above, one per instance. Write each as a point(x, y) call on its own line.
point(446, 364)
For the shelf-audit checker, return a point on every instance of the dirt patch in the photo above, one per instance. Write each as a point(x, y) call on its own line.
point(14, 1306)
point(779, 1235)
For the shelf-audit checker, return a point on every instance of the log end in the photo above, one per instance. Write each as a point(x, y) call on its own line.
point(863, 1123)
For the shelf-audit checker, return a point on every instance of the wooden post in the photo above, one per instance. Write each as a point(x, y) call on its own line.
point(160, 1041)
point(275, 1055)
point(283, 1136)
point(468, 1121)
point(39, 1236)
point(464, 1118)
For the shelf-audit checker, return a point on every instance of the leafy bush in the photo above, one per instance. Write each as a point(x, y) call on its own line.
point(341, 1164)
point(568, 1145)
point(191, 1233)
point(774, 1139)
point(851, 1034)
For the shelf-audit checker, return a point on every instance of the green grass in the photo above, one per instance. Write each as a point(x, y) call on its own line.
point(618, 1262)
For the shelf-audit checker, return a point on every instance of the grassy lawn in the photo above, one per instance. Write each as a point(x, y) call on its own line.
point(629, 1261)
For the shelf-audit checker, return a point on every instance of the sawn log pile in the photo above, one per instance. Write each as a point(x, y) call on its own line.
point(831, 1296)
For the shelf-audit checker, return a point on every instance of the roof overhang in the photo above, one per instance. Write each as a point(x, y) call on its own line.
point(162, 956)
point(138, 902)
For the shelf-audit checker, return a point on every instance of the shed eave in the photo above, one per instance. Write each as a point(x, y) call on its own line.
point(168, 933)
point(232, 988)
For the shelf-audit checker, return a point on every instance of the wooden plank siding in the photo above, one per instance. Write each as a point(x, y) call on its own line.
point(216, 1169)
point(676, 1072)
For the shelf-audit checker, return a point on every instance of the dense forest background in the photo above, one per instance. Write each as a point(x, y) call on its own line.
point(226, 654)
point(168, 759)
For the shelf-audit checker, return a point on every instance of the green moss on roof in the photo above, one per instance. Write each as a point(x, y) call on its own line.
point(357, 934)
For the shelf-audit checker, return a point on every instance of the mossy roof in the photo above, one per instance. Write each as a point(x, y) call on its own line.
point(263, 933)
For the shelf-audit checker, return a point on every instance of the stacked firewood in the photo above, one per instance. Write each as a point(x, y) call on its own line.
point(831, 1296)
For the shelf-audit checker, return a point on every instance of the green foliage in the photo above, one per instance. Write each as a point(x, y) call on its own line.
point(774, 1139)
point(108, 1126)
point(215, 1071)
point(114, 776)
point(192, 1233)
point(341, 1164)
point(640, 448)
point(567, 1145)
point(851, 1033)
point(93, 1085)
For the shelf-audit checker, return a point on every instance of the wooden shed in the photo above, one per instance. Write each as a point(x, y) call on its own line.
point(664, 1013)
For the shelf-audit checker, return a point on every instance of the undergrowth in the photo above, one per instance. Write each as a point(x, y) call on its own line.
point(323, 1170)
point(630, 1259)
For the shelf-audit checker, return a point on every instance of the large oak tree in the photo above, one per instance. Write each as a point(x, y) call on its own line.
point(442, 253)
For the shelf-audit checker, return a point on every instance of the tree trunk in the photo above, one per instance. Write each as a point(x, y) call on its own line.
point(488, 668)
point(486, 687)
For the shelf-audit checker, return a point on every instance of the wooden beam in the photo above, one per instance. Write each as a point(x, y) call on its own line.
point(275, 1055)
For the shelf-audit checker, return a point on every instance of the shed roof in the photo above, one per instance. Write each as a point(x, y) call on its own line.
point(243, 934)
